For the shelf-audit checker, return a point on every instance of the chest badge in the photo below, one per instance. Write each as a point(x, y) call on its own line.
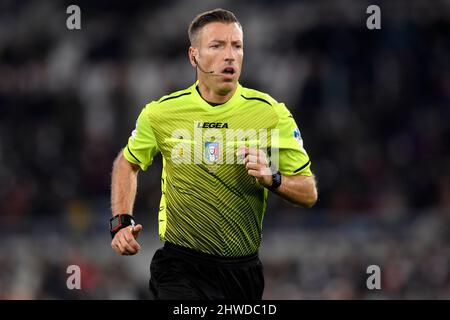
point(212, 151)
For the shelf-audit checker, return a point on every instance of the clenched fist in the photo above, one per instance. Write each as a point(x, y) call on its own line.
point(124, 242)
point(257, 165)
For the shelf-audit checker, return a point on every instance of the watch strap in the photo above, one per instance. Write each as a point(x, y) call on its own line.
point(276, 181)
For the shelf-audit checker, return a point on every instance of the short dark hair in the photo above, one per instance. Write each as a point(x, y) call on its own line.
point(216, 15)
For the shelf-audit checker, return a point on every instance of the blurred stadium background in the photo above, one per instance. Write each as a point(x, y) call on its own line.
point(373, 108)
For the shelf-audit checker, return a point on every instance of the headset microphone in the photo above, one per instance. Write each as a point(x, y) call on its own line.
point(200, 68)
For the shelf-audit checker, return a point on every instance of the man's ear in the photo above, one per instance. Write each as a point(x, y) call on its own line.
point(192, 53)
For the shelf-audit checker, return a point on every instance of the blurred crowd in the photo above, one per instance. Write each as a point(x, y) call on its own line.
point(373, 107)
point(319, 257)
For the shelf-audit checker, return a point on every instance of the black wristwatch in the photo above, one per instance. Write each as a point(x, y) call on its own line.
point(276, 181)
point(119, 222)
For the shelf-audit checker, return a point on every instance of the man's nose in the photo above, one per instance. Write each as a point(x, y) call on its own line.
point(229, 54)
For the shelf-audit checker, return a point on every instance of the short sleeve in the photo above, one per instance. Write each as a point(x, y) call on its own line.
point(142, 145)
point(292, 156)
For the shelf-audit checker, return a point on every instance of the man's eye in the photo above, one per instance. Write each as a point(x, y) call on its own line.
point(214, 46)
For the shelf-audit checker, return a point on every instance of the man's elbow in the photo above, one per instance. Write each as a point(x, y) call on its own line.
point(311, 200)
point(309, 197)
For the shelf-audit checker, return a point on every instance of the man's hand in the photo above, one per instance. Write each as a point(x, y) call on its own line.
point(298, 189)
point(124, 241)
point(257, 165)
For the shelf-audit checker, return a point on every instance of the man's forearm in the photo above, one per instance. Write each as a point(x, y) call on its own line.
point(123, 186)
point(299, 190)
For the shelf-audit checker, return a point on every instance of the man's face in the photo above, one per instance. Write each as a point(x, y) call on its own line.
point(220, 49)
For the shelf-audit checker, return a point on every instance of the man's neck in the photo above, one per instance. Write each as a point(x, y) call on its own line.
point(211, 97)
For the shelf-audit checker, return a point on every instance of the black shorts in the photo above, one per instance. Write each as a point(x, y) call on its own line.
point(185, 274)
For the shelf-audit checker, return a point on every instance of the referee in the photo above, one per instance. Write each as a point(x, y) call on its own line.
point(224, 148)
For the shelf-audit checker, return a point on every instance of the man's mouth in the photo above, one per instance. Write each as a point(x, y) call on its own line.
point(229, 71)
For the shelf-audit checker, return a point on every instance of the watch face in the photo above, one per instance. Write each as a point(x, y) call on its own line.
point(114, 223)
